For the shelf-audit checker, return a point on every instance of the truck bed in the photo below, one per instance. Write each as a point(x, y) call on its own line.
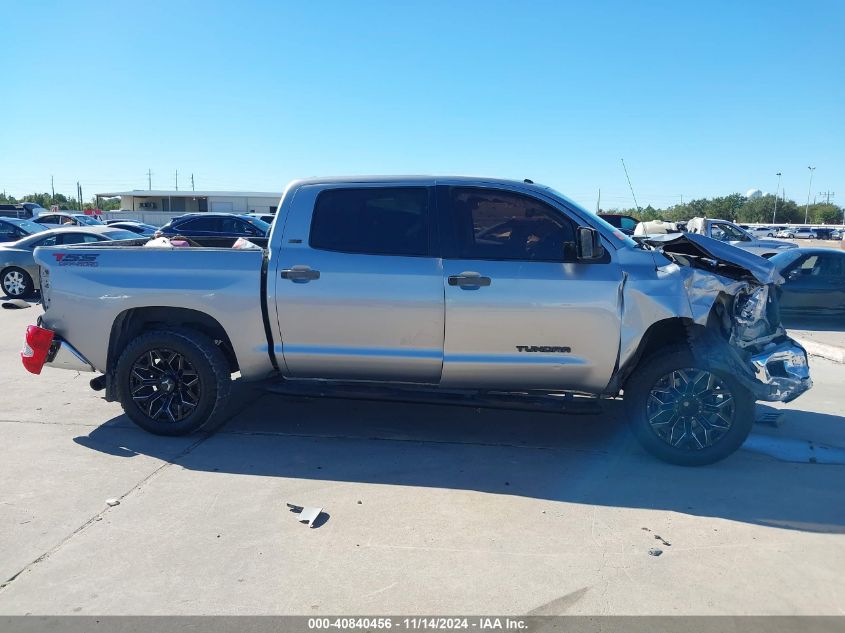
point(99, 285)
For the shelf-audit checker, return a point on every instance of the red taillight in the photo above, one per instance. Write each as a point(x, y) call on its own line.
point(36, 347)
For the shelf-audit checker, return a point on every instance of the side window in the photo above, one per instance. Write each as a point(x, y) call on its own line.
point(828, 266)
point(237, 226)
point(72, 238)
point(628, 224)
point(48, 219)
point(375, 221)
point(493, 224)
point(198, 224)
point(47, 241)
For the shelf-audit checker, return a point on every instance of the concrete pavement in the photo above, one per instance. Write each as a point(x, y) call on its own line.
point(432, 510)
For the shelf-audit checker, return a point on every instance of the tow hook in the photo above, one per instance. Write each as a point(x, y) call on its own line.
point(98, 383)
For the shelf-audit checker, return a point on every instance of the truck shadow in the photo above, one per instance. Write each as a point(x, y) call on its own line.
point(590, 459)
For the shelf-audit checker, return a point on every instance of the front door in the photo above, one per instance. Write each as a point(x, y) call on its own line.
point(521, 312)
point(359, 294)
point(815, 284)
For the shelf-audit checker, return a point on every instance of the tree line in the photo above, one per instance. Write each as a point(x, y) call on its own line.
point(738, 208)
point(67, 203)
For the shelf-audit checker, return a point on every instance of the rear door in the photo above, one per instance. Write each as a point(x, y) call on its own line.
point(521, 312)
point(359, 292)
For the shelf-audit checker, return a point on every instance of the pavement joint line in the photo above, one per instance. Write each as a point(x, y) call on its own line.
point(833, 353)
point(94, 519)
point(85, 424)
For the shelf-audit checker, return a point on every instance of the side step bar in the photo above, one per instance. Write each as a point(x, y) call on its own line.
point(568, 403)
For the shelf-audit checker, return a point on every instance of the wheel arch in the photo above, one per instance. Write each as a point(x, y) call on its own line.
point(132, 322)
point(659, 335)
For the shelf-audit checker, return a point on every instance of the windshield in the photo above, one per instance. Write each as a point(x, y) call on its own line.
point(782, 260)
point(611, 230)
point(28, 226)
point(87, 220)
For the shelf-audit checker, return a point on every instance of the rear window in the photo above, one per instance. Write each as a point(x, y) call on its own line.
point(374, 221)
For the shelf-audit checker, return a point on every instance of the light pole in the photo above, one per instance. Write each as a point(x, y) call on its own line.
point(775, 212)
point(807, 208)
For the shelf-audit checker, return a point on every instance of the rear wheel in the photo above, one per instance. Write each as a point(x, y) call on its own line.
point(685, 412)
point(173, 382)
point(17, 283)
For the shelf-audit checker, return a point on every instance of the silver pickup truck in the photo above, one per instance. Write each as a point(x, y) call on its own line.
point(436, 286)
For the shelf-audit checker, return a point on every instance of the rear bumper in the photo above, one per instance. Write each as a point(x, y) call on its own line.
point(43, 348)
point(63, 355)
point(782, 372)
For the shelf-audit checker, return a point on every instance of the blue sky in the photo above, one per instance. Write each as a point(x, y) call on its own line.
point(700, 98)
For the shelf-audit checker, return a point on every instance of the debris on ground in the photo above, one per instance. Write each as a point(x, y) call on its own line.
point(662, 540)
point(112, 502)
point(307, 515)
point(16, 304)
point(655, 552)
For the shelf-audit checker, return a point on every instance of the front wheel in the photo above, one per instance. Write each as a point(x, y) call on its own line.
point(685, 412)
point(17, 283)
point(173, 382)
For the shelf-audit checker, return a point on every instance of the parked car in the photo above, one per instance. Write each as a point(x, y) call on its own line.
point(147, 230)
point(18, 270)
point(826, 233)
point(760, 231)
point(726, 231)
point(216, 229)
point(264, 217)
point(63, 218)
point(417, 287)
point(24, 210)
point(797, 233)
point(625, 223)
point(815, 281)
point(14, 229)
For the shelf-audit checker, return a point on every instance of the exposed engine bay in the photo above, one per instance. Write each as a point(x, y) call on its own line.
point(733, 297)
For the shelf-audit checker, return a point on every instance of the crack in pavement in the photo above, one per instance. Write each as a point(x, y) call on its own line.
point(100, 514)
point(94, 519)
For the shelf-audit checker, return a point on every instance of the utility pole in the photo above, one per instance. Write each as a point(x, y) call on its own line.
point(79, 194)
point(598, 203)
point(827, 195)
point(177, 180)
point(809, 189)
point(53, 192)
point(775, 212)
point(149, 179)
point(192, 183)
point(636, 204)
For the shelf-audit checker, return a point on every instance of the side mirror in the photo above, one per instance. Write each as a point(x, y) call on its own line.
point(588, 244)
point(794, 274)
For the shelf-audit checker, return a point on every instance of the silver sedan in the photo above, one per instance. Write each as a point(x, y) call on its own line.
point(18, 270)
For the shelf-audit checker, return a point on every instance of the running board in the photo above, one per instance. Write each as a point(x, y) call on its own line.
point(568, 403)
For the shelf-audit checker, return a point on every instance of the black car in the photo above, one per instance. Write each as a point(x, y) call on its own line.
point(216, 229)
point(14, 229)
point(815, 281)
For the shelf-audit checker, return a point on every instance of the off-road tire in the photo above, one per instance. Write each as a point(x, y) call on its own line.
point(210, 366)
point(637, 393)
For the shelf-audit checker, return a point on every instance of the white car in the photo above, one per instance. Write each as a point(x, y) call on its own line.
point(798, 233)
point(762, 231)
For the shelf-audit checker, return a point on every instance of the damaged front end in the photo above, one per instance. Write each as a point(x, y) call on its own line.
point(733, 297)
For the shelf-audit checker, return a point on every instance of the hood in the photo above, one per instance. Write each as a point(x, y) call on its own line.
point(698, 251)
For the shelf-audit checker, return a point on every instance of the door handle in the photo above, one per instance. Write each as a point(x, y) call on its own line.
point(469, 280)
point(300, 274)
